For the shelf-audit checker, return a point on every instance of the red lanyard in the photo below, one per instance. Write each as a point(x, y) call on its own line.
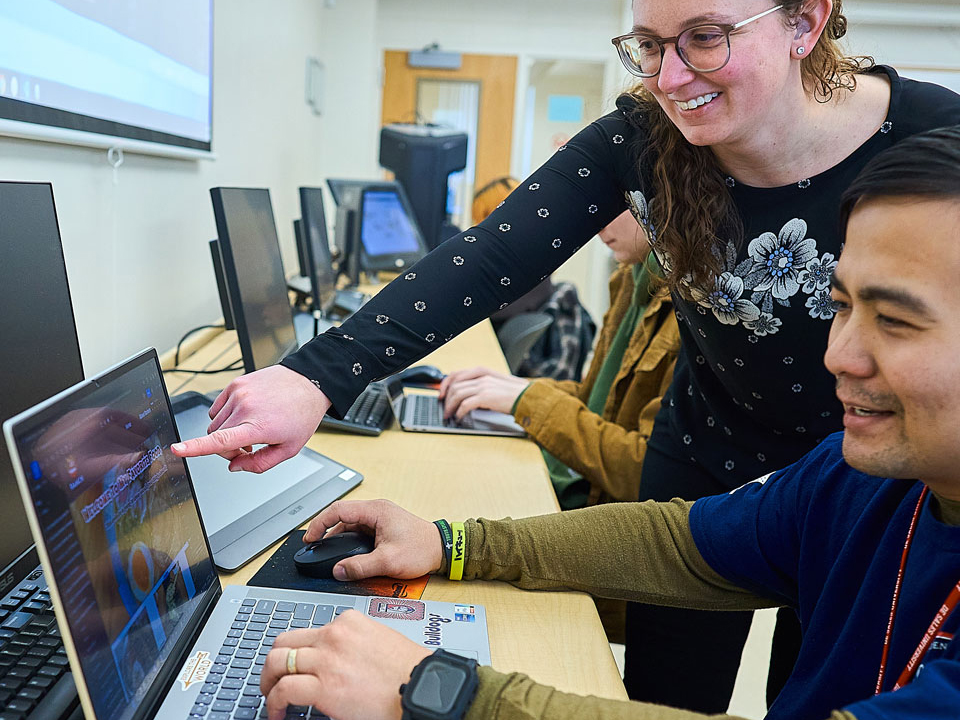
point(942, 614)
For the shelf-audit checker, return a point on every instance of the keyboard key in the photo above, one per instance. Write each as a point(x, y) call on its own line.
point(52, 671)
point(252, 690)
point(249, 701)
point(7, 633)
point(323, 614)
point(204, 698)
point(199, 710)
point(265, 607)
point(225, 706)
point(268, 642)
point(249, 644)
point(227, 694)
point(225, 659)
point(31, 588)
point(280, 624)
point(342, 609)
point(259, 618)
point(10, 604)
point(21, 706)
point(286, 607)
point(245, 713)
point(236, 673)
point(256, 627)
point(245, 610)
point(297, 711)
point(248, 602)
point(235, 633)
point(232, 684)
point(218, 669)
point(282, 615)
point(11, 683)
point(29, 693)
point(33, 661)
point(275, 632)
point(248, 654)
point(253, 635)
point(34, 607)
point(303, 611)
point(238, 626)
point(40, 651)
point(209, 687)
point(299, 623)
point(226, 650)
point(50, 642)
point(17, 620)
point(218, 716)
point(240, 663)
point(39, 682)
point(19, 672)
point(59, 659)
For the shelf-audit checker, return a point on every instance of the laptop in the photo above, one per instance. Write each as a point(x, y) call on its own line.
point(423, 412)
point(148, 629)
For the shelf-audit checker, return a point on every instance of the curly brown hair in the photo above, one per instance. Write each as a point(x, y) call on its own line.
point(691, 201)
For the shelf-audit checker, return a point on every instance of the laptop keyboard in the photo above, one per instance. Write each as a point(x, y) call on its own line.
point(32, 657)
point(428, 410)
point(369, 414)
point(232, 689)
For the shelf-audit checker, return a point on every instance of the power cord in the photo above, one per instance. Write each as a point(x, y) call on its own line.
point(176, 354)
point(237, 365)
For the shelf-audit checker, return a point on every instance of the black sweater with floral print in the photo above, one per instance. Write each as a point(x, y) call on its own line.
point(750, 392)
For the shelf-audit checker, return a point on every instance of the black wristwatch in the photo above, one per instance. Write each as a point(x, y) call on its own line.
point(441, 687)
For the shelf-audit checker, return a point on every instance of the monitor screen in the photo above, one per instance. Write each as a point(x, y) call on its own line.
point(121, 528)
point(39, 352)
point(254, 273)
point(385, 226)
point(138, 70)
point(317, 249)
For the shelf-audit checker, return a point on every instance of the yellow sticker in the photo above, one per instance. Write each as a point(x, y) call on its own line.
point(195, 669)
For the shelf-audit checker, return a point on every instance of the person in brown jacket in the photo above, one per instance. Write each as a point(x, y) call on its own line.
point(593, 432)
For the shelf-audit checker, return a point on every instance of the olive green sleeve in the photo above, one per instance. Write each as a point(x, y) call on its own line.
point(517, 697)
point(634, 551)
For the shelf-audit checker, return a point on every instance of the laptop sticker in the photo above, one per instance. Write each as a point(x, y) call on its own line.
point(396, 609)
point(195, 669)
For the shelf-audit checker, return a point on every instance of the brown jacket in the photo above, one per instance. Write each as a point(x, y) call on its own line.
point(608, 450)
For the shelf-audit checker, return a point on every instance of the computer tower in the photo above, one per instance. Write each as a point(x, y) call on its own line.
point(422, 157)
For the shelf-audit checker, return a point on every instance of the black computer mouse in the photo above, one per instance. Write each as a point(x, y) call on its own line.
point(317, 559)
point(421, 374)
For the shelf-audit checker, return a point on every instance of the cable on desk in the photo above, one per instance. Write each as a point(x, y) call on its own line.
point(176, 354)
point(236, 365)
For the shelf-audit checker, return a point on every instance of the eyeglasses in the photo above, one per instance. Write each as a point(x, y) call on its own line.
point(704, 48)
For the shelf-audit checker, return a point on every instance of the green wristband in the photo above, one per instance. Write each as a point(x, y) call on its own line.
point(446, 538)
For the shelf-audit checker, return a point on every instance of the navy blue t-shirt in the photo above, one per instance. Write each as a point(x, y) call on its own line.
point(827, 540)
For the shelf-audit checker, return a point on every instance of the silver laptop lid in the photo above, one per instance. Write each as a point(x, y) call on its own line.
point(121, 540)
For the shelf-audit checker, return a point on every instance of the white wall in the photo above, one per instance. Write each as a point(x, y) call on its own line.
point(136, 251)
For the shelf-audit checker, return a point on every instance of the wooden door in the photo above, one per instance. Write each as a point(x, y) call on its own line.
point(496, 75)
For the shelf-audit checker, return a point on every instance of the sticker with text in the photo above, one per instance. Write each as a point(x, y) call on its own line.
point(464, 609)
point(464, 617)
point(395, 609)
point(195, 669)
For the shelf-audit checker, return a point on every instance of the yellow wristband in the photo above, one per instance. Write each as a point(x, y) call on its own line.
point(459, 550)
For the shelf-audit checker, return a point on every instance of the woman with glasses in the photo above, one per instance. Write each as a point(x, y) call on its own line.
point(746, 126)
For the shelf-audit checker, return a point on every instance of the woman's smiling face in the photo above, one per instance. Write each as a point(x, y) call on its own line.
point(740, 97)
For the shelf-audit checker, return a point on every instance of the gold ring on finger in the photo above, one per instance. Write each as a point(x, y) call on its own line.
point(292, 661)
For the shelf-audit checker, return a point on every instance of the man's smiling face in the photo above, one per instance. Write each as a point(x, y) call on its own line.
point(895, 341)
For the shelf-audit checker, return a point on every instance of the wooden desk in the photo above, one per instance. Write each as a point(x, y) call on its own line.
point(555, 637)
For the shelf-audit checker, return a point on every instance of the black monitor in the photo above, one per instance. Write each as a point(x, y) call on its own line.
point(253, 270)
point(389, 236)
point(422, 158)
point(316, 249)
point(39, 350)
point(346, 191)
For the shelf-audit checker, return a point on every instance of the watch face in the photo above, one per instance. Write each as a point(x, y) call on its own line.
point(437, 688)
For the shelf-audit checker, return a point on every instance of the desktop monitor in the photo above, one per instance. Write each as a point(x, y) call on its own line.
point(389, 236)
point(316, 249)
point(39, 350)
point(253, 271)
point(422, 158)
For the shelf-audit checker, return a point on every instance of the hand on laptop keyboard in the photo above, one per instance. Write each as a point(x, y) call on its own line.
point(351, 668)
point(275, 407)
point(407, 547)
point(479, 388)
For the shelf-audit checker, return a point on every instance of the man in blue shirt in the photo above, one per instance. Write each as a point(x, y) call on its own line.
point(861, 537)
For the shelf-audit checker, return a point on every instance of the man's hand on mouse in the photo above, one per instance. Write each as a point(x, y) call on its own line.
point(406, 546)
point(276, 407)
point(351, 668)
point(479, 387)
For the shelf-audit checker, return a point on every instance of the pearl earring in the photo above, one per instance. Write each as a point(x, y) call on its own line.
point(801, 50)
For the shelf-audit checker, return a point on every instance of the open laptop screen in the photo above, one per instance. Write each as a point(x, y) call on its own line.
point(120, 527)
point(385, 227)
